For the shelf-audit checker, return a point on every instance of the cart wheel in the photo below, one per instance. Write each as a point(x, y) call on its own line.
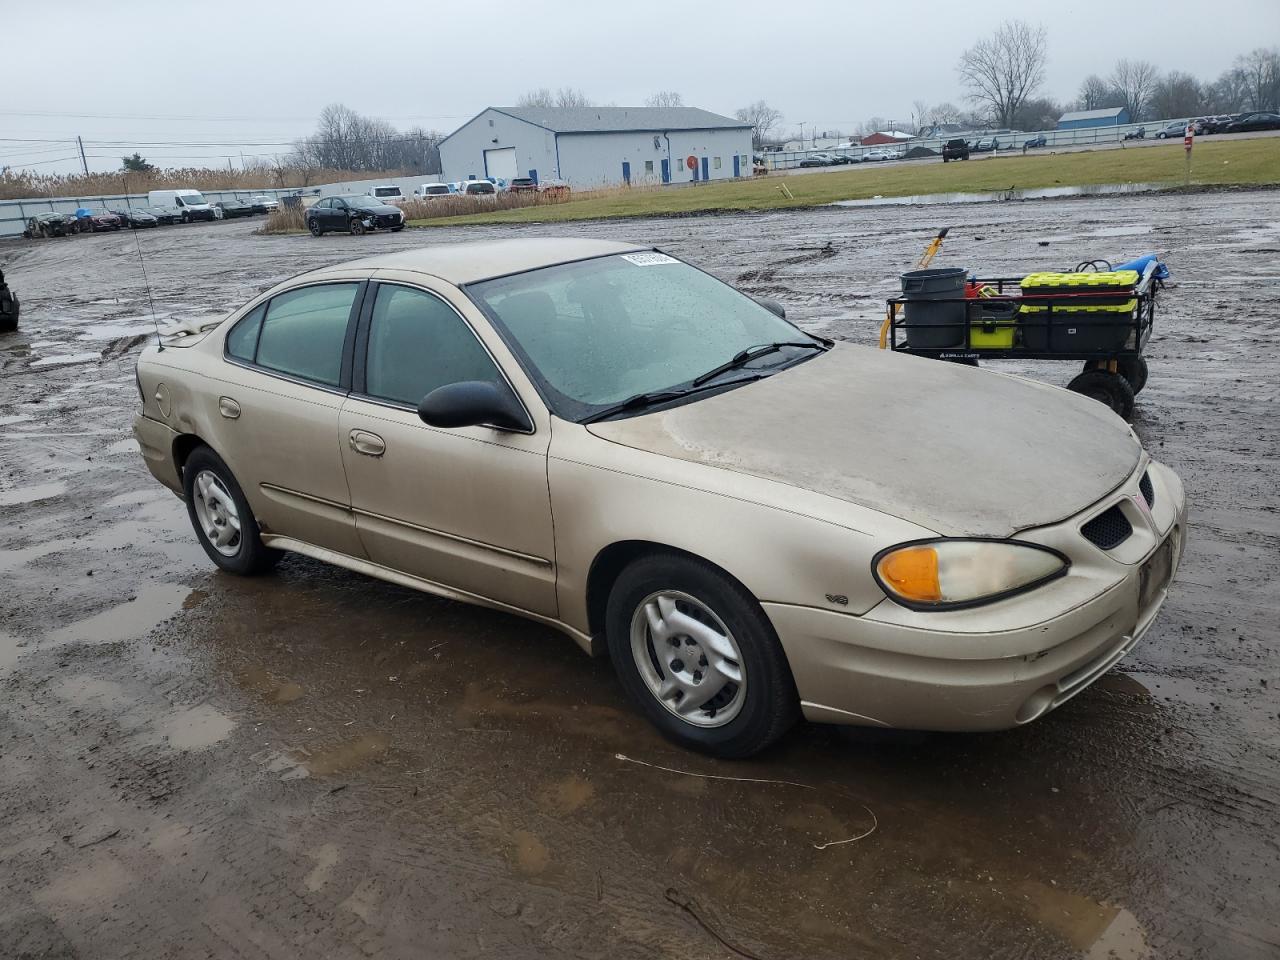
point(1133, 369)
point(1106, 387)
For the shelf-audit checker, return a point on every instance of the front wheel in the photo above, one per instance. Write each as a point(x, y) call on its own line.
point(314, 226)
point(1106, 387)
point(397, 229)
point(357, 228)
point(222, 518)
point(696, 653)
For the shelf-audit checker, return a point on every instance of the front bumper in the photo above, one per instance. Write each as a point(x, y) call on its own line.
point(155, 441)
point(940, 671)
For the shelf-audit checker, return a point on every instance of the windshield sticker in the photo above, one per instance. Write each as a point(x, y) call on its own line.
point(648, 259)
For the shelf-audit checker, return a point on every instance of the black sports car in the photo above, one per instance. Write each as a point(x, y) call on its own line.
point(136, 218)
point(353, 214)
point(234, 207)
point(1254, 121)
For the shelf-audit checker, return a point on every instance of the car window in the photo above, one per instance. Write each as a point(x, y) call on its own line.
point(417, 342)
point(242, 341)
point(304, 331)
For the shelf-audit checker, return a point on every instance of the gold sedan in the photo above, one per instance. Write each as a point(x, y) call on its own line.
point(754, 523)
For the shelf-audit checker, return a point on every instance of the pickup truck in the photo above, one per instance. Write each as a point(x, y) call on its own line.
point(955, 150)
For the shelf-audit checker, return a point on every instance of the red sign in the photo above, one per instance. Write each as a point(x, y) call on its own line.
point(1190, 136)
point(692, 161)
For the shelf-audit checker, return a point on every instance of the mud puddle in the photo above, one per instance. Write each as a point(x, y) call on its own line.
point(1038, 193)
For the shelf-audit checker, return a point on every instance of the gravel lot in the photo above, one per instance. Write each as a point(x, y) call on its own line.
point(317, 764)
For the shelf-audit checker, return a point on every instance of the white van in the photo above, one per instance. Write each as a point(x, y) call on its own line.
point(389, 193)
point(188, 205)
point(428, 190)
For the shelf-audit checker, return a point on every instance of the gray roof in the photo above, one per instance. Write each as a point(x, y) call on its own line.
point(618, 119)
point(1104, 113)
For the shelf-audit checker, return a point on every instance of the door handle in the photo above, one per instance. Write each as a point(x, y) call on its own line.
point(370, 444)
point(228, 408)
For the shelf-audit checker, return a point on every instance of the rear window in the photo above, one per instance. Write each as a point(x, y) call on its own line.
point(480, 188)
point(438, 188)
point(386, 191)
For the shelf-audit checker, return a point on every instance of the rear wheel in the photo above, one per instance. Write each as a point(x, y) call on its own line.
point(696, 653)
point(314, 226)
point(222, 518)
point(1106, 387)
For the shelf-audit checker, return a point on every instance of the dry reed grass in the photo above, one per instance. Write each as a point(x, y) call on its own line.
point(285, 219)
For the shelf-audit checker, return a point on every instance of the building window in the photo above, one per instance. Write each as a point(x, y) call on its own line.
point(679, 163)
point(648, 166)
point(716, 163)
point(491, 121)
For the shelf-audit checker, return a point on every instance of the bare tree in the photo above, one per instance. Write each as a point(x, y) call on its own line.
point(1037, 113)
point(567, 97)
point(1260, 71)
point(1134, 80)
point(665, 98)
point(542, 97)
point(1096, 93)
point(1177, 95)
point(1004, 69)
point(763, 119)
point(1228, 93)
point(346, 140)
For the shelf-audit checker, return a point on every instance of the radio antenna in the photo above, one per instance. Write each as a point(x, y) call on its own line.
point(142, 263)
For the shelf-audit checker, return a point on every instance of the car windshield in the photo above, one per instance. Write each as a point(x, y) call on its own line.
point(600, 331)
point(192, 198)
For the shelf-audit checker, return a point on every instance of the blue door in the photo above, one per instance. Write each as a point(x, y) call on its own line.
point(737, 165)
point(706, 165)
point(626, 173)
point(666, 171)
point(533, 175)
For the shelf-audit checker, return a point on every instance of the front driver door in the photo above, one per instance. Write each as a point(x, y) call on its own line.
point(466, 508)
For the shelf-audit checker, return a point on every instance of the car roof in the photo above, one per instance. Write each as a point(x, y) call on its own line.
point(461, 263)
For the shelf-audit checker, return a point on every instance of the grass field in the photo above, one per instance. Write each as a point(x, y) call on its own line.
point(1238, 162)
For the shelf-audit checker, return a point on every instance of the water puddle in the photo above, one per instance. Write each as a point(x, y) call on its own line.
point(1039, 193)
point(268, 687)
point(154, 604)
point(127, 445)
point(339, 757)
point(195, 728)
point(41, 491)
point(66, 359)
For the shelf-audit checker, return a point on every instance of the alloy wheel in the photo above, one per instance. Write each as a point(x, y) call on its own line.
point(216, 511)
point(688, 659)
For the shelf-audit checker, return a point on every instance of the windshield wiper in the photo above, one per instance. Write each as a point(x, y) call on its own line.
point(743, 357)
point(642, 400)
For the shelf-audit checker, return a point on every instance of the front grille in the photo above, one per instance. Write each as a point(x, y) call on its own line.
point(1148, 491)
point(1108, 529)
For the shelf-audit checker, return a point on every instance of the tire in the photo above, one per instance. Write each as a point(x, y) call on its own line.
point(1133, 369)
point(216, 504)
point(186, 218)
point(1106, 387)
point(397, 229)
point(673, 591)
point(314, 226)
point(357, 228)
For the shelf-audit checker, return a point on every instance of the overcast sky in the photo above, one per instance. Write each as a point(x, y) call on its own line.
point(237, 76)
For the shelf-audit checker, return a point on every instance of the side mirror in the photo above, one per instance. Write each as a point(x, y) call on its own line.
point(773, 306)
point(473, 403)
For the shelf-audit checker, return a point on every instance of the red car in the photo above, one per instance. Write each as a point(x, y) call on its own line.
point(522, 185)
point(100, 222)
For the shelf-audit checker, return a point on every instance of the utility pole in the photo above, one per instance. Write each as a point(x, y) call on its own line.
point(83, 162)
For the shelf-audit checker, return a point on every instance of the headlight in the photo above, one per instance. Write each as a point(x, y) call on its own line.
point(946, 574)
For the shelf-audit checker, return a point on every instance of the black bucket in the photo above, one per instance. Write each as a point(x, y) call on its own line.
point(931, 323)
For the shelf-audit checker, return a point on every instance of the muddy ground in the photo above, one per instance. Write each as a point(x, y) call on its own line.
point(317, 764)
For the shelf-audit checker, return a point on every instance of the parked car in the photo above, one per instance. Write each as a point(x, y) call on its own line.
point(353, 214)
point(262, 203)
point(523, 185)
point(815, 160)
point(10, 307)
point(841, 159)
point(553, 187)
point(1218, 124)
point(956, 149)
point(1254, 121)
point(390, 194)
point(1034, 142)
point(164, 215)
point(430, 190)
point(45, 225)
point(880, 154)
point(479, 188)
point(1139, 134)
point(986, 145)
point(187, 205)
point(136, 218)
point(745, 549)
point(101, 222)
point(234, 207)
point(1177, 129)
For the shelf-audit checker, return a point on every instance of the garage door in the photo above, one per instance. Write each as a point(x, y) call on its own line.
point(501, 163)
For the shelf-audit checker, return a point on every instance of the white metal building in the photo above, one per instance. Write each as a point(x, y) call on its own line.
point(594, 146)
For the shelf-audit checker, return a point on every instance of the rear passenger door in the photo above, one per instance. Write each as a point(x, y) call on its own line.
point(287, 372)
point(466, 508)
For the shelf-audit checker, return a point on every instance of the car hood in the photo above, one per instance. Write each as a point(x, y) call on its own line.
point(956, 450)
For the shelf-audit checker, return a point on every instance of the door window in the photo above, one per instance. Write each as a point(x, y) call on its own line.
point(304, 332)
point(417, 342)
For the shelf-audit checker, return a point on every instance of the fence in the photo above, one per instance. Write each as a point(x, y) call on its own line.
point(1009, 140)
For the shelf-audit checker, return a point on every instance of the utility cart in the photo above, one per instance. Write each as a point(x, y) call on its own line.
point(1101, 317)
